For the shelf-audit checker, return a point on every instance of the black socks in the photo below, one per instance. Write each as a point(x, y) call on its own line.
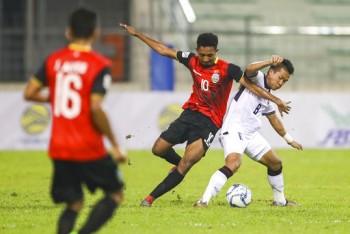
point(172, 157)
point(226, 171)
point(102, 212)
point(66, 221)
point(170, 182)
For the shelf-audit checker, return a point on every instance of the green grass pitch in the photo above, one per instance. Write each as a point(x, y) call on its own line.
point(317, 179)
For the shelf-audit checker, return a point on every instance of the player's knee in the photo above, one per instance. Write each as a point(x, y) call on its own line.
point(189, 162)
point(234, 165)
point(118, 197)
point(186, 164)
point(233, 162)
point(156, 150)
point(76, 206)
point(276, 164)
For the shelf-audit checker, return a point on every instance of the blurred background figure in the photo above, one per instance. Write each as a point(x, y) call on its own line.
point(78, 78)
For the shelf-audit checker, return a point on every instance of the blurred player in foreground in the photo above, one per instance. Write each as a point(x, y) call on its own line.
point(239, 133)
point(203, 112)
point(78, 78)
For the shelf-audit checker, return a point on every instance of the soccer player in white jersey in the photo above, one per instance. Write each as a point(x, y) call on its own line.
point(239, 133)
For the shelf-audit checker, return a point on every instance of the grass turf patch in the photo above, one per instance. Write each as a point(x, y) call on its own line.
point(317, 179)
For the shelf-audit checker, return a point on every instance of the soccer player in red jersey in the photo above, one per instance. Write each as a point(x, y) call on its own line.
point(203, 112)
point(77, 79)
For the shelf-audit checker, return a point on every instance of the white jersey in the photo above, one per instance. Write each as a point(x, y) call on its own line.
point(245, 109)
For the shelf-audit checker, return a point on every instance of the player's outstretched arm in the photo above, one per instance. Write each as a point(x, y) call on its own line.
point(159, 47)
point(257, 90)
point(277, 124)
point(101, 123)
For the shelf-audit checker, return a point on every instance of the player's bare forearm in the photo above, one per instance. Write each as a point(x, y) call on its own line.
point(159, 47)
point(253, 68)
point(102, 124)
point(277, 124)
point(33, 92)
point(100, 119)
point(257, 90)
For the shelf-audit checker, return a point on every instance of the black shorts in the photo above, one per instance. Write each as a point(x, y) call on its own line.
point(69, 177)
point(191, 126)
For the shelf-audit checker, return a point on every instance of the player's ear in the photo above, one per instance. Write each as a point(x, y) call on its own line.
point(68, 33)
point(96, 33)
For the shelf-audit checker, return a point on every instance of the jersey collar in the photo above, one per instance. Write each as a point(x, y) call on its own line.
point(265, 83)
point(216, 60)
point(78, 47)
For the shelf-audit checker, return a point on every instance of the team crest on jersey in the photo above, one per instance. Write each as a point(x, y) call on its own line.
point(185, 54)
point(215, 78)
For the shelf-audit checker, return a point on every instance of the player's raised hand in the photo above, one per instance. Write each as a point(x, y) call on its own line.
point(296, 145)
point(129, 29)
point(119, 155)
point(275, 60)
point(284, 107)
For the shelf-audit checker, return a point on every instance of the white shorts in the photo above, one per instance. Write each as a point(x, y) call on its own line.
point(235, 141)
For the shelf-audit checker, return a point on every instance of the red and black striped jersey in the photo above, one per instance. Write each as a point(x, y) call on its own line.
point(211, 85)
point(72, 74)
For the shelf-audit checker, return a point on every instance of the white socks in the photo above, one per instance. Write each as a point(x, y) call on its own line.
point(277, 185)
point(217, 181)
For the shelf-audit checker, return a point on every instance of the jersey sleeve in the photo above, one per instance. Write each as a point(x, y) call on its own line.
point(40, 75)
point(184, 57)
point(250, 76)
point(234, 72)
point(269, 110)
point(102, 82)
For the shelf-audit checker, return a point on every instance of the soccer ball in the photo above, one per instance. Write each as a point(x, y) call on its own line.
point(239, 195)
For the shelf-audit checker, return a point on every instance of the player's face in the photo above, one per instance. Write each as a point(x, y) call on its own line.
point(206, 55)
point(277, 78)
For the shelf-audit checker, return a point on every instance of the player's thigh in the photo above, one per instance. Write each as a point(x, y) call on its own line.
point(257, 147)
point(104, 174)
point(66, 183)
point(233, 141)
point(177, 131)
point(194, 151)
point(202, 128)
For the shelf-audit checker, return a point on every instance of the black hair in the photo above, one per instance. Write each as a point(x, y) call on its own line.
point(289, 65)
point(83, 22)
point(207, 39)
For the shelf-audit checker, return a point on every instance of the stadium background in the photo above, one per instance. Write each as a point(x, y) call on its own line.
point(314, 34)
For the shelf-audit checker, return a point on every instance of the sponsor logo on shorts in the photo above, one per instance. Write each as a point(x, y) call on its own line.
point(209, 140)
